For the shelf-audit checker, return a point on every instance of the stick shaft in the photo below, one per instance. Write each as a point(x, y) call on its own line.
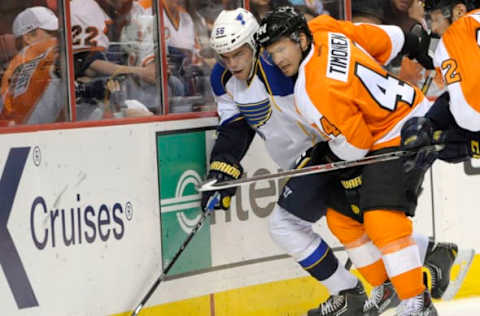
point(215, 198)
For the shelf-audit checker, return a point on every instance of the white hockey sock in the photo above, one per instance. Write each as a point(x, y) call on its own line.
point(422, 243)
point(340, 280)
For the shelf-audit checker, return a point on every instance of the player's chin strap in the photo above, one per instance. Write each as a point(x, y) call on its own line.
point(255, 59)
point(213, 185)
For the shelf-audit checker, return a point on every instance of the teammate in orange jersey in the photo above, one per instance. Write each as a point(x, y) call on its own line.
point(30, 84)
point(454, 119)
point(359, 108)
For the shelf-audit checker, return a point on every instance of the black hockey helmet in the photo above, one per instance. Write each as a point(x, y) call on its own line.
point(283, 21)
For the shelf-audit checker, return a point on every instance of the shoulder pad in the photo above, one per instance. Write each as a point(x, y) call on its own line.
point(274, 80)
point(218, 79)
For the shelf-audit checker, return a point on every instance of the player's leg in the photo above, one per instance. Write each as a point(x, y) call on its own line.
point(312, 253)
point(386, 204)
point(367, 259)
point(302, 203)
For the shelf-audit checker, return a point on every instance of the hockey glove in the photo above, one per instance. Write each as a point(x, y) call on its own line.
point(417, 43)
point(350, 178)
point(459, 145)
point(416, 133)
point(224, 169)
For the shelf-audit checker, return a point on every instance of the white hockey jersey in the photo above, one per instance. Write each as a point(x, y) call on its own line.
point(266, 103)
point(90, 25)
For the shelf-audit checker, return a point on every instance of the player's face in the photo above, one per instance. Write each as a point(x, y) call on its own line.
point(439, 22)
point(287, 55)
point(402, 5)
point(239, 61)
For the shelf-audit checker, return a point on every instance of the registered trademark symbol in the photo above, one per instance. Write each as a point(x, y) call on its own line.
point(129, 211)
point(37, 156)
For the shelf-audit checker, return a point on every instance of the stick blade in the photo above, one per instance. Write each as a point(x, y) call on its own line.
point(464, 260)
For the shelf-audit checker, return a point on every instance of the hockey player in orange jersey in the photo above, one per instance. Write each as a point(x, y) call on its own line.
point(359, 109)
point(454, 119)
point(30, 84)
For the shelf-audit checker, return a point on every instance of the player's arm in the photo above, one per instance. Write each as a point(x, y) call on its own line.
point(382, 42)
point(349, 137)
point(234, 137)
point(457, 56)
point(328, 106)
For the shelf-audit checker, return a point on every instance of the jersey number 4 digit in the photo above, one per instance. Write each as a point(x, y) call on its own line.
point(387, 91)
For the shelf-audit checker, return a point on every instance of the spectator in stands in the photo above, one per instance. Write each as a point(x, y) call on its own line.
point(31, 85)
point(260, 8)
point(368, 11)
point(396, 12)
point(311, 7)
point(308, 12)
point(185, 30)
point(95, 23)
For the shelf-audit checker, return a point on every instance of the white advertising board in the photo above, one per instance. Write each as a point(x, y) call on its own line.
point(90, 215)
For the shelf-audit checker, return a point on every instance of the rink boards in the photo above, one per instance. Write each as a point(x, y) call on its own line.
point(90, 215)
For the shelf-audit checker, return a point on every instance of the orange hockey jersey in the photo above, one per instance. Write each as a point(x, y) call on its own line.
point(458, 57)
point(30, 90)
point(347, 96)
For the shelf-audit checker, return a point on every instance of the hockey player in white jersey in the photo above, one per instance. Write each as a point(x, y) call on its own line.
point(253, 96)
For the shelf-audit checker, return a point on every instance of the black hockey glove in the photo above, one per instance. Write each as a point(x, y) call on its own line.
point(458, 145)
point(416, 133)
point(350, 178)
point(223, 169)
point(417, 43)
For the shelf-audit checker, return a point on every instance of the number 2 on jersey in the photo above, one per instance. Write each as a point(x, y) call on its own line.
point(89, 40)
point(451, 75)
point(387, 91)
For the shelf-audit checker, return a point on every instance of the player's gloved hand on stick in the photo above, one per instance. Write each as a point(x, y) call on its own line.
point(222, 169)
point(458, 145)
point(416, 133)
point(350, 178)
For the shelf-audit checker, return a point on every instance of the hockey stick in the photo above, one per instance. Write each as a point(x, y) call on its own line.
point(205, 214)
point(212, 185)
